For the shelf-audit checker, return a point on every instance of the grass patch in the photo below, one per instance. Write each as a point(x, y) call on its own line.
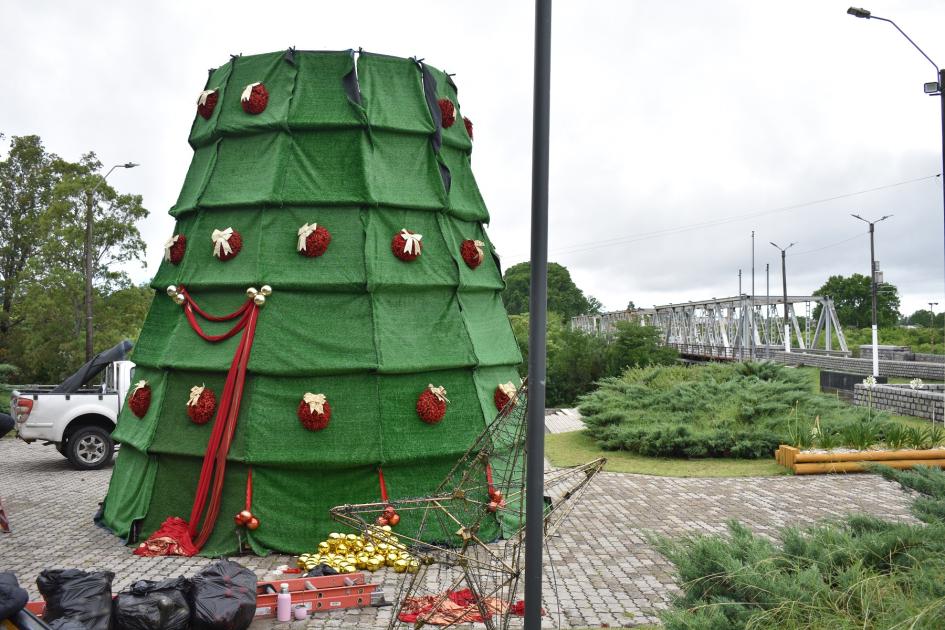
point(576, 447)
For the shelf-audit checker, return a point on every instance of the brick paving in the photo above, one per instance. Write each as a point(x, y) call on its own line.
point(606, 572)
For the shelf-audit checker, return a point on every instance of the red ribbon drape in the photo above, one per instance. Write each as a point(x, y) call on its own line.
point(380, 480)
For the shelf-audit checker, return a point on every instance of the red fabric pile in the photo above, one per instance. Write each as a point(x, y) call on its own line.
point(171, 539)
point(454, 607)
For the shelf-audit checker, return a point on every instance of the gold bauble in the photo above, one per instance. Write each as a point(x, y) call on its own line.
point(413, 566)
point(251, 292)
point(259, 300)
point(341, 549)
point(324, 547)
point(400, 566)
point(171, 290)
point(179, 299)
point(267, 290)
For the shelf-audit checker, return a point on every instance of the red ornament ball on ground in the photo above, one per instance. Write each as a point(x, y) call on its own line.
point(468, 124)
point(207, 103)
point(312, 420)
point(472, 253)
point(202, 412)
point(254, 98)
point(140, 401)
point(316, 243)
point(236, 244)
point(399, 243)
point(176, 252)
point(430, 408)
point(447, 112)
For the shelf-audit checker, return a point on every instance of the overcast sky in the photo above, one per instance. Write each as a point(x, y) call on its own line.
point(677, 127)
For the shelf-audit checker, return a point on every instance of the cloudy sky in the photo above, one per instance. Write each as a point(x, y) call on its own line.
point(678, 127)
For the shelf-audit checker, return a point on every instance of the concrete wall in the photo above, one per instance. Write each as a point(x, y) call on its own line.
point(902, 400)
point(907, 369)
point(890, 353)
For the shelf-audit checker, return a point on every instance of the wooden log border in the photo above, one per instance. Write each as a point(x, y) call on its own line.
point(823, 463)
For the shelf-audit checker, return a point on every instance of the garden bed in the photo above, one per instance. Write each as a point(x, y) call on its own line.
point(846, 461)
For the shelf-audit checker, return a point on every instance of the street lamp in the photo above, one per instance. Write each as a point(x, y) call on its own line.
point(934, 88)
point(932, 305)
point(89, 216)
point(787, 328)
point(873, 287)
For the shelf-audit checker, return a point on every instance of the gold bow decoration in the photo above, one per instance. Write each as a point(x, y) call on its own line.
point(168, 245)
point(316, 402)
point(139, 385)
point(508, 389)
point(411, 241)
point(202, 99)
point(248, 91)
point(195, 393)
point(221, 242)
point(439, 392)
point(304, 232)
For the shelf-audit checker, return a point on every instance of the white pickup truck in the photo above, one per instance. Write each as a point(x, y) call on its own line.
point(76, 416)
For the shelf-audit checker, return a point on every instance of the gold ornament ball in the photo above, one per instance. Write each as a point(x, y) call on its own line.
point(171, 290)
point(251, 292)
point(179, 299)
point(324, 547)
point(267, 291)
point(259, 300)
point(413, 566)
point(400, 566)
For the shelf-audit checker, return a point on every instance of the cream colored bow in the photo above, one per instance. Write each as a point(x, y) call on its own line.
point(439, 392)
point(479, 245)
point(316, 402)
point(411, 241)
point(304, 232)
point(202, 99)
point(195, 392)
point(508, 389)
point(248, 91)
point(139, 385)
point(168, 245)
point(221, 241)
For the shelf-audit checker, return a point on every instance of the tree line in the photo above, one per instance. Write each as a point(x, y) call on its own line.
point(49, 254)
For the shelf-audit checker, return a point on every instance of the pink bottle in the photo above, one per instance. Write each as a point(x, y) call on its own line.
point(284, 603)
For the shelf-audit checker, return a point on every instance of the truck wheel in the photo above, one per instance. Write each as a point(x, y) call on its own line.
point(90, 448)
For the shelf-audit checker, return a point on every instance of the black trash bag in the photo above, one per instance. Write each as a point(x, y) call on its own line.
point(320, 570)
point(12, 597)
point(148, 605)
point(224, 597)
point(75, 595)
point(67, 624)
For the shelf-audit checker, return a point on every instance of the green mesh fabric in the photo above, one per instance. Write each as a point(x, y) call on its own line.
point(354, 154)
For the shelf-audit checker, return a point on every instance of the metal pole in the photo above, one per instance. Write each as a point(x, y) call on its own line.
point(538, 304)
point(787, 326)
point(932, 306)
point(873, 295)
point(768, 310)
point(752, 305)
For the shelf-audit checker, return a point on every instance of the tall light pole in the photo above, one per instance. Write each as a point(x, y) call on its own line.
point(751, 310)
point(787, 325)
point(933, 88)
point(87, 253)
point(872, 225)
point(932, 306)
point(538, 320)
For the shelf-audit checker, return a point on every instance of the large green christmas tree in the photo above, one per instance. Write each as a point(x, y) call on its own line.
point(369, 155)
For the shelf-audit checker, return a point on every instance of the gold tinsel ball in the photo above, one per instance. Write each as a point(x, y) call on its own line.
point(267, 291)
point(259, 300)
point(179, 299)
point(251, 292)
point(171, 290)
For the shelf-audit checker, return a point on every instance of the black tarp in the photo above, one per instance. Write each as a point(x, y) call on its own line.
point(93, 368)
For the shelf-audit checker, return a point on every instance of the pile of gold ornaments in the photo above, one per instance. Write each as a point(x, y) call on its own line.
point(353, 552)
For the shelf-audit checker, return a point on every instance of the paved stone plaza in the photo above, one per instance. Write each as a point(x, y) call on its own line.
point(606, 572)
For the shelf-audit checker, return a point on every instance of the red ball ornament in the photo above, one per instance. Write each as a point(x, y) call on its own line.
point(394, 519)
point(496, 496)
point(468, 125)
point(500, 398)
point(202, 411)
point(244, 516)
point(400, 247)
point(316, 242)
point(472, 254)
point(236, 244)
point(381, 521)
point(140, 400)
point(207, 103)
point(239, 522)
point(447, 112)
point(312, 419)
point(254, 98)
point(178, 245)
point(252, 523)
point(492, 506)
point(389, 511)
point(431, 404)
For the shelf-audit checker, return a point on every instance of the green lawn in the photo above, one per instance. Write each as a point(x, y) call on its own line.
point(572, 449)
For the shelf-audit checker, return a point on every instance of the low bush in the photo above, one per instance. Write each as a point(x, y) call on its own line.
point(739, 410)
point(860, 572)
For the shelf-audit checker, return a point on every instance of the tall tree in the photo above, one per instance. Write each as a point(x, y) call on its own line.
point(853, 300)
point(88, 213)
point(28, 175)
point(564, 297)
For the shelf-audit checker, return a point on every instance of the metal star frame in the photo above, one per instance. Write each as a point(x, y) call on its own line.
point(469, 534)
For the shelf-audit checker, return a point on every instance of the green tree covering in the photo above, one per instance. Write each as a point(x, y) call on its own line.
point(637, 346)
point(852, 299)
point(923, 317)
point(564, 297)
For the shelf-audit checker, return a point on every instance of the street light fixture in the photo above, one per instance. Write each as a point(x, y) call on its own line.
point(89, 216)
point(872, 225)
point(934, 88)
point(787, 327)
